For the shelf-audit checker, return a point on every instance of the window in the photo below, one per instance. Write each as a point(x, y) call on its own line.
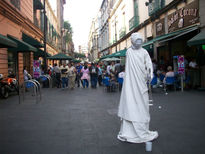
point(12, 62)
point(16, 3)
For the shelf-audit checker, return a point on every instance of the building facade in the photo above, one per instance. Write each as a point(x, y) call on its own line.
point(165, 25)
point(93, 40)
point(104, 26)
point(22, 21)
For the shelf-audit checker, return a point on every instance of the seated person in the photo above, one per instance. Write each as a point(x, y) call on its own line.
point(170, 73)
point(193, 64)
point(122, 73)
point(112, 81)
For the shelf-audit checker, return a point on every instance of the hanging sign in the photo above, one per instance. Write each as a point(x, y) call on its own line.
point(180, 62)
point(36, 69)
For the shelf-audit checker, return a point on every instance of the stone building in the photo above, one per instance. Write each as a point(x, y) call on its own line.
point(166, 26)
point(93, 41)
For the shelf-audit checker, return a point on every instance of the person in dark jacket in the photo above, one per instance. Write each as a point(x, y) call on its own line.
point(93, 75)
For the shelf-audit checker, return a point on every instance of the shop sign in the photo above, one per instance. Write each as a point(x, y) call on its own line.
point(184, 17)
point(36, 69)
point(160, 30)
point(180, 64)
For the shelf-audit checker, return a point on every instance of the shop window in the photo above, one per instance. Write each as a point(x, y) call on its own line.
point(16, 3)
point(12, 56)
point(26, 61)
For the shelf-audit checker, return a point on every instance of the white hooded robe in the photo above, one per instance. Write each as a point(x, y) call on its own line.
point(134, 101)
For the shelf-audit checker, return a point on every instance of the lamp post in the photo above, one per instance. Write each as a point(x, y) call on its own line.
point(44, 40)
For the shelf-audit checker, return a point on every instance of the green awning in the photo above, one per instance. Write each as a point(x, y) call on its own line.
point(166, 37)
point(6, 42)
point(31, 41)
point(60, 56)
point(199, 39)
point(40, 53)
point(76, 61)
point(21, 45)
point(121, 53)
point(174, 35)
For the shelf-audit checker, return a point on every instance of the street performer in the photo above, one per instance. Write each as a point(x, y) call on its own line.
point(134, 101)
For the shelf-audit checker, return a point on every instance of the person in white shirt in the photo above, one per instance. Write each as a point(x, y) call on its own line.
point(122, 74)
point(170, 73)
point(193, 64)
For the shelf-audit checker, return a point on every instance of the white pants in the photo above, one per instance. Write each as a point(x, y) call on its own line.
point(136, 132)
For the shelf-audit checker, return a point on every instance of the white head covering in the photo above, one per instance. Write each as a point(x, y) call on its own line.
point(136, 40)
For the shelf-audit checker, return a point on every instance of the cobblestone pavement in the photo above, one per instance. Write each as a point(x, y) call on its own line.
point(84, 121)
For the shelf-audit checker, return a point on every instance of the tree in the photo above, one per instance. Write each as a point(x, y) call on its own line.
point(69, 32)
point(68, 36)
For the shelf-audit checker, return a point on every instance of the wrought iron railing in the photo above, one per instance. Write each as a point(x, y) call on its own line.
point(133, 22)
point(16, 3)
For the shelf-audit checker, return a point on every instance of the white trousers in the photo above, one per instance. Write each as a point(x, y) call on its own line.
point(136, 132)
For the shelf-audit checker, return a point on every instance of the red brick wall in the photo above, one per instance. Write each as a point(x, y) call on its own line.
point(31, 63)
point(20, 58)
point(3, 62)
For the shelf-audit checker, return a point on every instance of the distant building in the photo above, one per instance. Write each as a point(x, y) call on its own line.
point(93, 40)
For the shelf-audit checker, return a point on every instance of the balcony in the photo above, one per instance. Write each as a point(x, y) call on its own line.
point(133, 22)
point(122, 32)
point(155, 6)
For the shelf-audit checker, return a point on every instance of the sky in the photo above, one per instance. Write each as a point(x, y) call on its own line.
point(80, 14)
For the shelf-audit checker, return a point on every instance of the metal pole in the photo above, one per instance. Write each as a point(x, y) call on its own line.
point(44, 40)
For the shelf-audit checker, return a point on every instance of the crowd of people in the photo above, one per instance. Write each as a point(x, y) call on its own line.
point(191, 75)
point(85, 75)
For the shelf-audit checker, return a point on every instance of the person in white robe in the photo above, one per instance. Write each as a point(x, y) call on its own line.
point(134, 102)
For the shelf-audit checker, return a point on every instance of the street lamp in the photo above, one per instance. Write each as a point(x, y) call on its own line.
point(44, 40)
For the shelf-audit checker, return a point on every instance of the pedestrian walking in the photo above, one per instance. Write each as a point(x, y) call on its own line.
point(93, 75)
point(85, 76)
point(64, 78)
point(57, 75)
point(100, 75)
point(134, 101)
point(71, 75)
point(78, 73)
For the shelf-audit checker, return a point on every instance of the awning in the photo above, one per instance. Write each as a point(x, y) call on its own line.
point(148, 45)
point(40, 53)
point(175, 35)
point(21, 45)
point(76, 61)
point(31, 41)
point(199, 39)
point(6, 42)
point(169, 36)
point(60, 56)
point(121, 53)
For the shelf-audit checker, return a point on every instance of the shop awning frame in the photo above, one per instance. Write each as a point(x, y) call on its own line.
point(170, 36)
point(177, 34)
point(21, 45)
point(5, 42)
point(199, 39)
point(40, 53)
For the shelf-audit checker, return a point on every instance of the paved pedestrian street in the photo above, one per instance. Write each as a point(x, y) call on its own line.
point(84, 121)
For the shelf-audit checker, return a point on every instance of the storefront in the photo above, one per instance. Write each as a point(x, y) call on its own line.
point(172, 32)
